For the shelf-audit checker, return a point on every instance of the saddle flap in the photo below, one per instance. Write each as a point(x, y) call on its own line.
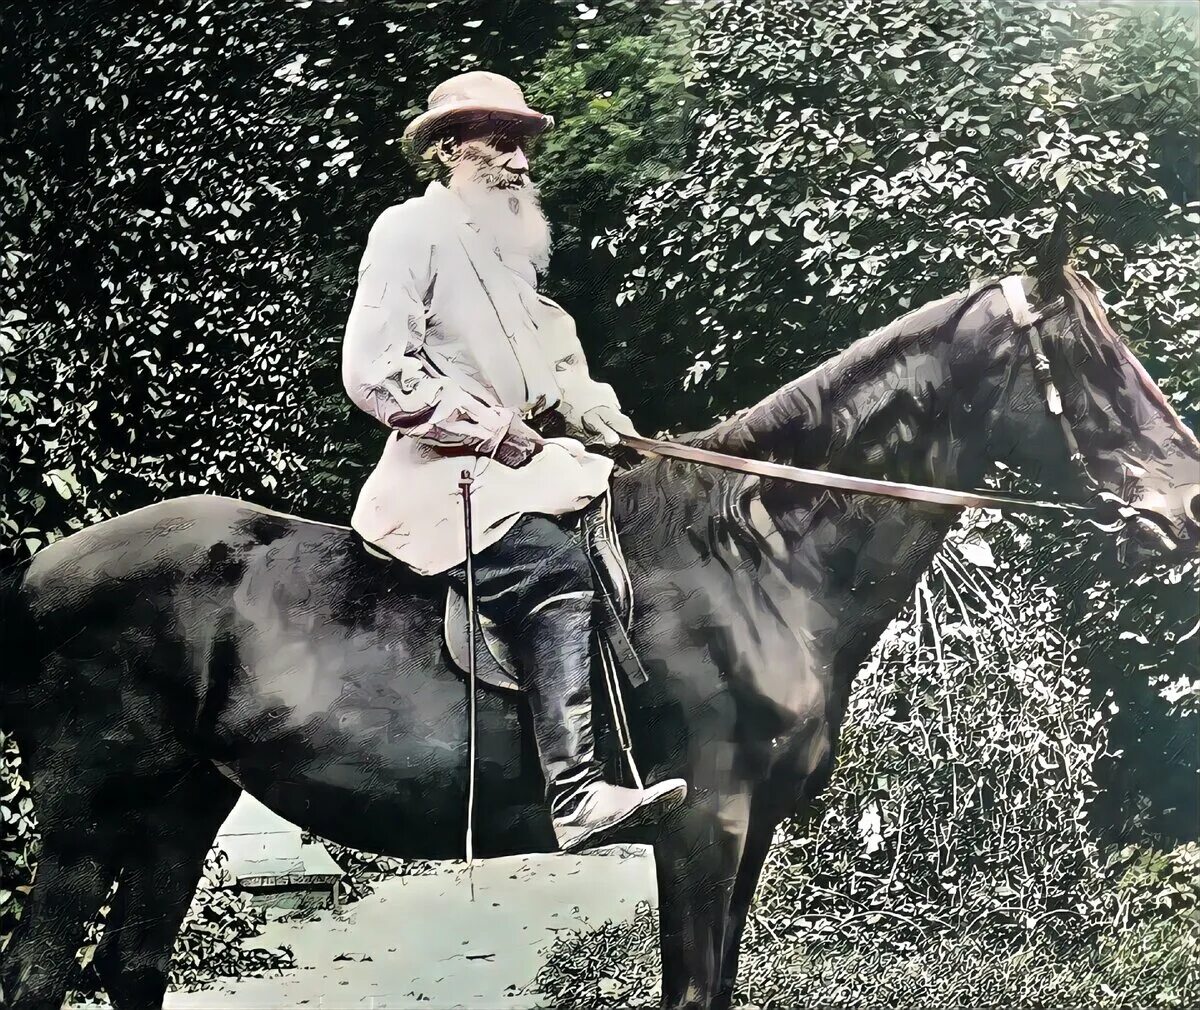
point(493, 664)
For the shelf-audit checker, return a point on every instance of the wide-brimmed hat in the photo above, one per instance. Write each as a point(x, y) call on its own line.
point(474, 96)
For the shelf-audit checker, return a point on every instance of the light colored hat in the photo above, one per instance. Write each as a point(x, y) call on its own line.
point(472, 96)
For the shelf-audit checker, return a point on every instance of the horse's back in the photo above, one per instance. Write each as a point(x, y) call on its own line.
point(170, 583)
point(197, 536)
point(186, 591)
point(170, 535)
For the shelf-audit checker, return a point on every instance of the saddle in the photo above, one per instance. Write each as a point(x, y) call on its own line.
point(495, 664)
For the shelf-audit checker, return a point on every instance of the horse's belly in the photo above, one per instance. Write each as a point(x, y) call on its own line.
point(392, 777)
point(425, 821)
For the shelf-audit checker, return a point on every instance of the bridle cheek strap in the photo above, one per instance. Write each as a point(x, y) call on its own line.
point(1029, 324)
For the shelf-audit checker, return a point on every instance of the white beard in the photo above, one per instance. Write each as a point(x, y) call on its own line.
point(511, 214)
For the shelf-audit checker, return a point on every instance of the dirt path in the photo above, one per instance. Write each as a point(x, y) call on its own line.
point(422, 942)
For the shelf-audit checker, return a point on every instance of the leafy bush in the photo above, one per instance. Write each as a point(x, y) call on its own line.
point(852, 160)
point(18, 837)
point(617, 965)
point(210, 944)
point(151, 341)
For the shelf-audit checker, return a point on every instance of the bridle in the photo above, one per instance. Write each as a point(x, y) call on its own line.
point(1028, 324)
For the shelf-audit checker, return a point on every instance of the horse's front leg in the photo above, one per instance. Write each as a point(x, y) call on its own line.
point(764, 817)
point(697, 856)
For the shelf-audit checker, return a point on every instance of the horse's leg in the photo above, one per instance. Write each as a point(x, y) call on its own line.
point(72, 878)
point(159, 873)
point(763, 819)
point(696, 856)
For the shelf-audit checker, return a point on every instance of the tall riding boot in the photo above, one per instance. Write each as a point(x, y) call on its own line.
point(556, 642)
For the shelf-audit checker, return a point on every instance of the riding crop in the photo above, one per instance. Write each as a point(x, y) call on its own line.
point(464, 483)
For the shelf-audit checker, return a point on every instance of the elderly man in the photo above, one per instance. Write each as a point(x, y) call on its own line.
point(450, 345)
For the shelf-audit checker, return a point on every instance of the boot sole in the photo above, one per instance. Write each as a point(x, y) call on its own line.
point(639, 816)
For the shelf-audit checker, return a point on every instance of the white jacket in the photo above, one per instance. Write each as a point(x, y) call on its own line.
point(447, 342)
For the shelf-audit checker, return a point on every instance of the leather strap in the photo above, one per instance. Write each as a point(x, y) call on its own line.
point(841, 481)
point(1027, 321)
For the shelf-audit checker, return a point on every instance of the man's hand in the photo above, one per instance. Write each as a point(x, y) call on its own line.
point(518, 447)
point(607, 424)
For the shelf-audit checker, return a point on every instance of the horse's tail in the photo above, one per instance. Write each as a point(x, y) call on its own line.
point(16, 634)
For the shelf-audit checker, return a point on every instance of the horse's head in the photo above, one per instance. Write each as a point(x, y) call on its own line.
point(1115, 444)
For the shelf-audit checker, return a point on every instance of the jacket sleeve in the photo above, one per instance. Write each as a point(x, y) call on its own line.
point(580, 392)
point(383, 368)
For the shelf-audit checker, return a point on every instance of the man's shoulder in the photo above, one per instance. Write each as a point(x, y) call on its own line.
point(414, 209)
point(416, 212)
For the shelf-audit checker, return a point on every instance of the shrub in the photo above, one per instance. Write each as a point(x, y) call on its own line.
point(18, 837)
point(210, 944)
point(852, 160)
point(617, 965)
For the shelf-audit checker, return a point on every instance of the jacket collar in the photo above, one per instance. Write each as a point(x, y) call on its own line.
point(444, 196)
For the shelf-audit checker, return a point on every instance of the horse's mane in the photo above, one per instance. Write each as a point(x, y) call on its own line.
point(808, 412)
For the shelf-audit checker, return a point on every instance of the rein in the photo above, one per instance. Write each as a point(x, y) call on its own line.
point(1027, 323)
point(841, 481)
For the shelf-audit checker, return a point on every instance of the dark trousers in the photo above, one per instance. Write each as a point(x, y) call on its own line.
point(538, 559)
point(535, 584)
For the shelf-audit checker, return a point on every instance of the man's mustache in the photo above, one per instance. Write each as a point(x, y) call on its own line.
point(495, 169)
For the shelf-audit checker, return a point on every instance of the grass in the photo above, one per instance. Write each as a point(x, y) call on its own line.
point(616, 965)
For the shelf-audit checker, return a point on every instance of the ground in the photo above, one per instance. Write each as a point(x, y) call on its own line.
point(423, 942)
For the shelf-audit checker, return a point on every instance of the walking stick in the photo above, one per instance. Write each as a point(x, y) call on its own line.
point(464, 483)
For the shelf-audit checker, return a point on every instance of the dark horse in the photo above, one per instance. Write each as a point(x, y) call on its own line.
point(156, 663)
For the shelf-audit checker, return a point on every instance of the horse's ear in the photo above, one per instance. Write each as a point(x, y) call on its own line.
point(1053, 256)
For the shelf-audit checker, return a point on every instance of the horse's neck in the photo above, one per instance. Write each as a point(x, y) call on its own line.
point(892, 407)
point(887, 407)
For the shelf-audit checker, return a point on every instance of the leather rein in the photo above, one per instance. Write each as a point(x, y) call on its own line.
point(1027, 323)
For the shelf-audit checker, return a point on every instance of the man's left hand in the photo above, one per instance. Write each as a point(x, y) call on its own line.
point(606, 424)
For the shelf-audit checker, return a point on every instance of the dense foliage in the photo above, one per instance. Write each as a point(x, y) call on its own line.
point(153, 293)
point(211, 943)
point(853, 160)
point(739, 189)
